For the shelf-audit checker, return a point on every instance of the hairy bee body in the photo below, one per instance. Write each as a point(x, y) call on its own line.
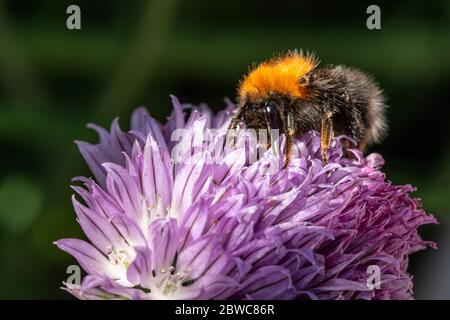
point(353, 98)
point(291, 94)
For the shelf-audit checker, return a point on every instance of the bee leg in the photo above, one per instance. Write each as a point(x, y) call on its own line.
point(357, 133)
point(232, 128)
point(326, 134)
point(346, 146)
point(290, 134)
point(269, 131)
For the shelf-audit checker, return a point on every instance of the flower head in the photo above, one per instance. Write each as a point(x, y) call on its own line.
point(214, 225)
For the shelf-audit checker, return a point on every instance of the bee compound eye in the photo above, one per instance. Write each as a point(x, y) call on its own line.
point(273, 114)
point(271, 107)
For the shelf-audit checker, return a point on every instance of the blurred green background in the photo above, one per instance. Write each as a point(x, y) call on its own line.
point(130, 53)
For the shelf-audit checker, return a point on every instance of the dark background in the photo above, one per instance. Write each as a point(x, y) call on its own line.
point(130, 53)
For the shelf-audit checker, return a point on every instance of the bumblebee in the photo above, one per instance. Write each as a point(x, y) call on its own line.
point(290, 93)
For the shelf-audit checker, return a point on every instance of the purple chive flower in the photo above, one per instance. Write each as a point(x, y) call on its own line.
point(225, 229)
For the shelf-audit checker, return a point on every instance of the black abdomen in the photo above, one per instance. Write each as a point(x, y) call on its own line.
point(354, 99)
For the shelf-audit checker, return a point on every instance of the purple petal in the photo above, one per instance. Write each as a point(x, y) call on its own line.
point(87, 256)
point(97, 228)
point(163, 241)
point(123, 187)
point(157, 180)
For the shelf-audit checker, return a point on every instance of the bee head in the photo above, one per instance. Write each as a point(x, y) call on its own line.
point(262, 115)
